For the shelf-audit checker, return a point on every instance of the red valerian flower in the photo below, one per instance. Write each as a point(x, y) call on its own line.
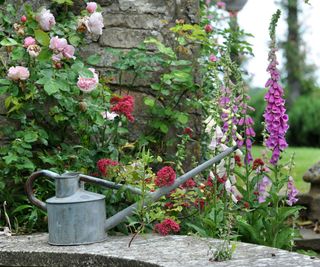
point(188, 131)
point(237, 159)
point(123, 106)
point(257, 163)
point(167, 226)
point(189, 183)
point(165, 177)
point(103, 165)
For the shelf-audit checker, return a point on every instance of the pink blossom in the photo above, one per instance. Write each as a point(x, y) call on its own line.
point(88, 84)
point(29, 41)
point(57, 57)
point(18, 73)
point(221, 4)
point(91, 7)
point(68, 52)
point(110, 116)
point(58, 44)
point(167, 226)
point(212, 58)
point(46, 19)
point(95, 23)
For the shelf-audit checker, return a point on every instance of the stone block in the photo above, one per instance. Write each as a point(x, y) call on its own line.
point(126, 38)
point(107, 58)
point(145, 6)
point(135, 21)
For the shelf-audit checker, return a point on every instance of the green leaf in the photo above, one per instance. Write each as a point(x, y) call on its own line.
point(85, 73)
point(164, 128)
point(74, 40)
point(94, 59)
point(42, 37)
point(183, 118)
point(45, 54)
point(8, 42)
point(149, 101)
point(18, 53)
point(30, 136)
point(51, 87)
point(3, 89)
point(5, 82)
point(22, 207)
point(10, 158)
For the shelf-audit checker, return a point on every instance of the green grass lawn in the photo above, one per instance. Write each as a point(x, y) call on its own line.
point(304, 158)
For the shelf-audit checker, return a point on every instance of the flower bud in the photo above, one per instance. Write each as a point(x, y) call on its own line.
point(23, 19)
point(83, 106)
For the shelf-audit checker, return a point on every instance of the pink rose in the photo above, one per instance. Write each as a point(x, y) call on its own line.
point(68, 52)
point(29, 41)
point(91, 7)
point(18, 73)
point(58, 44)
point(88, 84)
point(212, 58)
point(46, 19)
point(57, 57)
point(95, 23)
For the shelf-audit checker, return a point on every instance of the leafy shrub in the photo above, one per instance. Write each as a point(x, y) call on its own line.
point(304, 118)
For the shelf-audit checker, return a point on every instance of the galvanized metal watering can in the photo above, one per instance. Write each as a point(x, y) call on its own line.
point(77, 216)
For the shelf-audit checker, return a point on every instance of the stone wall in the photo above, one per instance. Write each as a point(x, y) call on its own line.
point(127, 24)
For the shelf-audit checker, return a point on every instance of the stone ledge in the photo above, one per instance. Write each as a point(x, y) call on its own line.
point(147, 250)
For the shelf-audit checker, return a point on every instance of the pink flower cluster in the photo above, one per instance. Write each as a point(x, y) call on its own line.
point(103, 165)
point(262, 189)
point(167, 226)
point(45, 19)
point(292, 192)
point(165, 177)
point(88, 84)
point(18, 73)
point(189, 184)
point(94, 22)
point(61, 49)
point(123, 106)
point(249, 132)
point(275, 114)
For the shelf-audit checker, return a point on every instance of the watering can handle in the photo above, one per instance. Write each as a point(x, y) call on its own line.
point(29, 189)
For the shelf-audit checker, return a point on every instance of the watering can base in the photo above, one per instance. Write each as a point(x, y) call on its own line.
point(78, 244)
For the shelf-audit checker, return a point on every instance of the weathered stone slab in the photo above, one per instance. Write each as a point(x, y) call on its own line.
point(148, 250)
point(134, 21)
point(126, 38)
point(146, 6)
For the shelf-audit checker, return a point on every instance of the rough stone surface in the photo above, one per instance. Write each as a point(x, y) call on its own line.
point(149, 250)
point(312, 198)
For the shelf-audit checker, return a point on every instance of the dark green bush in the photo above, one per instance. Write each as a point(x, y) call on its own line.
point(304, 121)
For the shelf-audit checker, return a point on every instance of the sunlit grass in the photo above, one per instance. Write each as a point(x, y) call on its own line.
point(304, 158)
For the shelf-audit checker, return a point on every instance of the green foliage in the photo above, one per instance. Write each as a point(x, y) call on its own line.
point(51, 124)
point(304, 122)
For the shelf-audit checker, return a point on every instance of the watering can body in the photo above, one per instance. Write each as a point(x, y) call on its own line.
point(75, 216)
